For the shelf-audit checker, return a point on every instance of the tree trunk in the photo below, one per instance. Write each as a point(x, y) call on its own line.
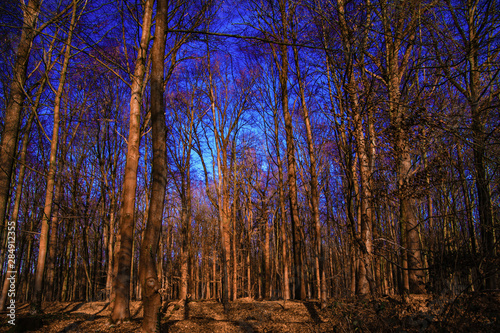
point(15, 101)
point(149, 247)
point(314, 184)
point(186, 231)
point(300, 287)
point(397, 60)
point(22, 169)
point(123, 257)
point(44, 234)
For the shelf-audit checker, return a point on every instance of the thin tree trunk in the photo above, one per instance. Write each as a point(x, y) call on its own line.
point(234, 277)
point(479, 138)
point(314, 184)
point(297, 242)
point(110, 248)
point(365, 218)
point(186, 230)
point(51, 255)
point(44, 234)
point(222, 189)
point(51, 259)
point(281, 197)
point(249, 243)
point(266, 257)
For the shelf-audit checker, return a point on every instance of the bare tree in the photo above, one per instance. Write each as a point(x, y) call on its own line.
point(15, 103)
point(123, 258)
point(44, 233)
point(149, 247)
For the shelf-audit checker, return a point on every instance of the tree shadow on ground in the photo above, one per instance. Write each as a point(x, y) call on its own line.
point(186, 309)
point(75, 307)
point(311, 308)
point(71, 327)
point(103, 308)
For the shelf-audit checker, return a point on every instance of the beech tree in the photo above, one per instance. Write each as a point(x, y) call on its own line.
point(121, 309)
point(149, 247)
point(44, 233)
point(15, 104)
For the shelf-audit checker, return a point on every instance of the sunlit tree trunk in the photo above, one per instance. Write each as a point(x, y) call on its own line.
point(365, 216)
point(314, 185)
point(186, 228)
point(297, 241)
point(266, 254)
point(44, 233)
point(284, 220)
point(123, 257)
point(234, 277)
point(186, 203)
point(149, 247)
point(248, 240)
point(222, 190)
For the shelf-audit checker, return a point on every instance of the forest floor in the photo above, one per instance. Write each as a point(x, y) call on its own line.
point(477, 312)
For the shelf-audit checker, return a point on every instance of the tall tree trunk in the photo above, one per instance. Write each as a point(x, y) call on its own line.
point(234, 277)
point(314, 184)
point(44, 234)
point(248, 242)
point(110, 248)
point(149, 247)
point(51, 255)
point(51, 260)
point(397, 62)
point(365, 218)
point(281, 198)
point(223, 174)
point(123, 257)
point(15, 101)
point(297, 242)
point(22, 169)
point(266, 256)
point(186, 231)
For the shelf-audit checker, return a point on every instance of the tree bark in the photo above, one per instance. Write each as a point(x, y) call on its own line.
point(12, 117)
point(314, 185)
point(300, 286)
point(149, 247)
point(22, 169)
point(123, 257)
point(44, 234)
point(397, 60)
